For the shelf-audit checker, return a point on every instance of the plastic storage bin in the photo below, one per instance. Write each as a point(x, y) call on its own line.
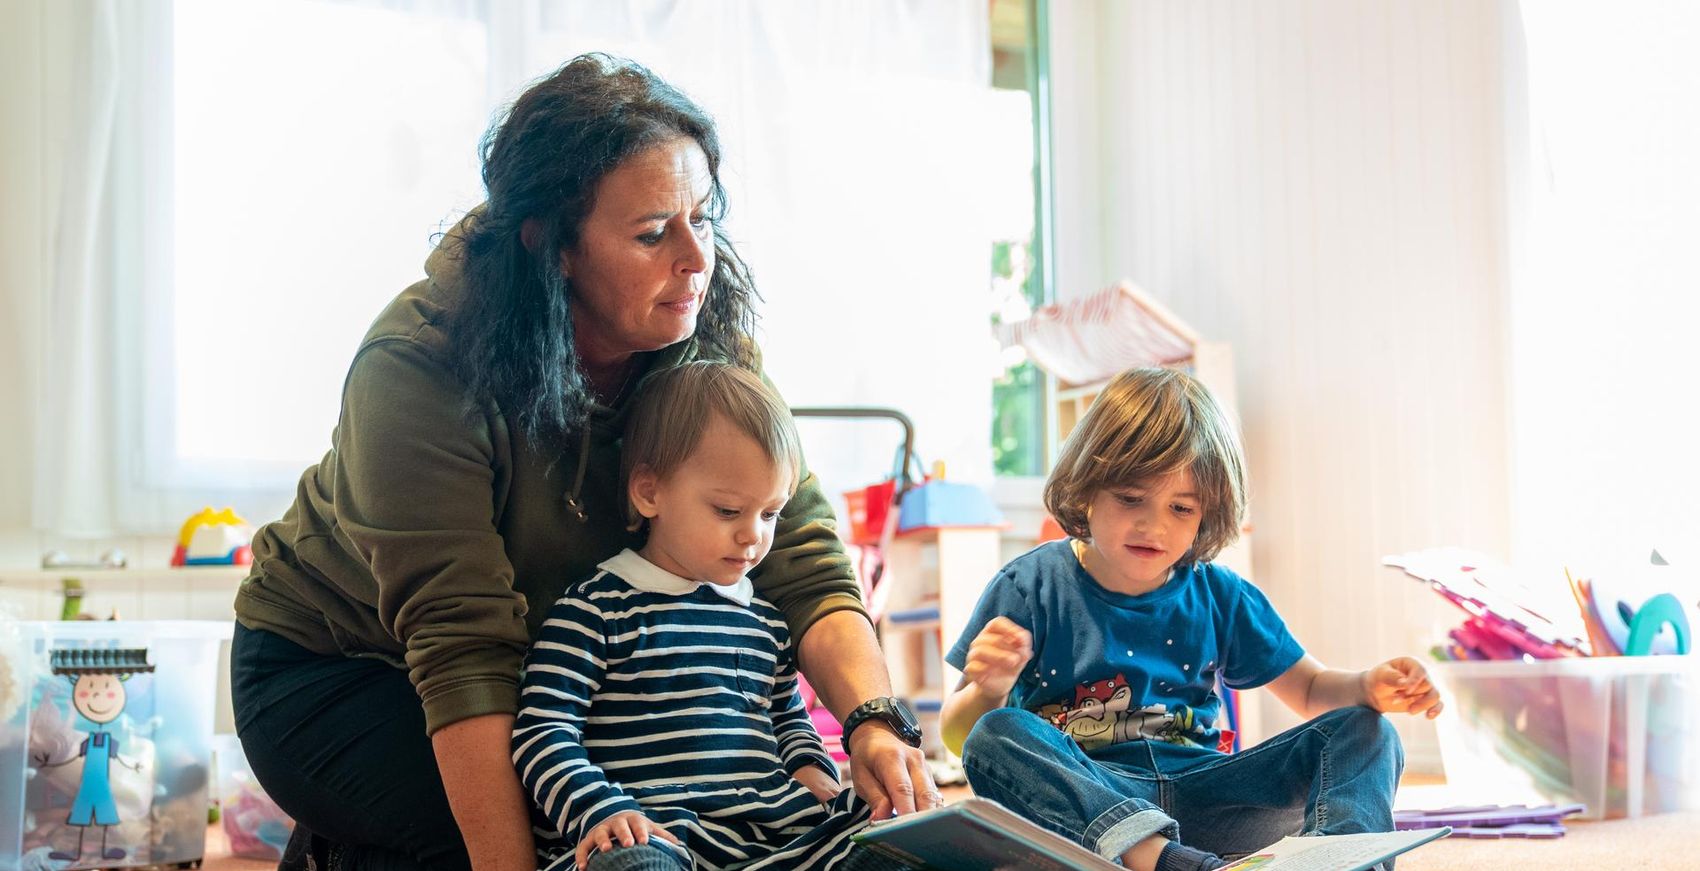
point(1620, 735)
point(106, 760)
point(253, 824)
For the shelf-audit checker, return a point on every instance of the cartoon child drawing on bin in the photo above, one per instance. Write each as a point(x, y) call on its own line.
point(97, 693)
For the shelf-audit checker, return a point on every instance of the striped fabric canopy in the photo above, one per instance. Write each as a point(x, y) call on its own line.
point(1090, 339)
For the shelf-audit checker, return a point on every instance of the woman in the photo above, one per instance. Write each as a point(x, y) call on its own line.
point(474, 473)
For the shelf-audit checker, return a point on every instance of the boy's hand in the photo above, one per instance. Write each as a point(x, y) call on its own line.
point(1401, 684)
point(997, 655)
point(625, 827)
point(824, 786)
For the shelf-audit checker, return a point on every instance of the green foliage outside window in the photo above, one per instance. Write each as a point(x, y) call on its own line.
point(1018, 412)
point(1018, 423)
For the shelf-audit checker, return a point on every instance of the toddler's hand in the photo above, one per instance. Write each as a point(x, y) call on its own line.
point(997, 655)
point(626, 827)
point(1401, 684)
point(824, 786)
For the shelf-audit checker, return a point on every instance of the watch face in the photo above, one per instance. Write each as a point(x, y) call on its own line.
point(902, 720)
point(905, 716)
point(891, 711)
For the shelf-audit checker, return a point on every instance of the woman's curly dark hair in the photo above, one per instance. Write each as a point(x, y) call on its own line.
point(512, 335)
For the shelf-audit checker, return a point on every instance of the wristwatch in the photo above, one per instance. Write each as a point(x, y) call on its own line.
point(889, 710)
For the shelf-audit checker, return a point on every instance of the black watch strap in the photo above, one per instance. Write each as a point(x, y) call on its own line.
point(889, 710)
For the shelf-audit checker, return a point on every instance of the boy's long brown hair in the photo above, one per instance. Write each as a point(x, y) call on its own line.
point(1146, 424)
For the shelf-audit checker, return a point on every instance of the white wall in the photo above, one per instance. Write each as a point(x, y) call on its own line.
point(1318, 182)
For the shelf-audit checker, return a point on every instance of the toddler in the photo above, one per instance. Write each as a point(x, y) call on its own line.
point(660, 726)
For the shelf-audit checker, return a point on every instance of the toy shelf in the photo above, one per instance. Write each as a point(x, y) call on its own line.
point(193, 593)
point(939, 573)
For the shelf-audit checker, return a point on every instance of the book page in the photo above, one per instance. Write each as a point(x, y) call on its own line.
point(1333, 852)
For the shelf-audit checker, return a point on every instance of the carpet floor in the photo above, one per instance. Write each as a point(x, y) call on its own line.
point(1664, 842)
point(1667, 842)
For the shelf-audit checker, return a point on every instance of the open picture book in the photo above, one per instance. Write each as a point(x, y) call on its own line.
point(978, 834)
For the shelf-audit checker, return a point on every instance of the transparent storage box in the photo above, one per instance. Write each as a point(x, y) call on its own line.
point(253, 824)
point(105, 742)
point(1620, 735)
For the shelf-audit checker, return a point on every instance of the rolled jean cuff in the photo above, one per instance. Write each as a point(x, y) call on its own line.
point(1126, 824)
point(637, 857)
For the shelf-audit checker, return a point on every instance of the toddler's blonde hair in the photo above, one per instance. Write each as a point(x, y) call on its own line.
point(675, 405)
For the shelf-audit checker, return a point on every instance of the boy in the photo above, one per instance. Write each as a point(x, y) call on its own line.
point(1088, 700)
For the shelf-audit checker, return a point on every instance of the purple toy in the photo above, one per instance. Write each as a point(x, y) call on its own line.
point(1491, 821)
point(1541, 831)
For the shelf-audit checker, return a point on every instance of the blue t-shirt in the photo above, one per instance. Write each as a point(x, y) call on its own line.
point(1109, 668)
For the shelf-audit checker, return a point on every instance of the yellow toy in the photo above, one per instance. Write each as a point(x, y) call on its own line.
point(214, 538)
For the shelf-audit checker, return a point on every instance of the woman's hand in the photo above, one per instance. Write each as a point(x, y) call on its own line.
point(891, 775)
point(843, 662)
point(625, 827)
point(824, 786)
point(997, 655)
point(1401, 684)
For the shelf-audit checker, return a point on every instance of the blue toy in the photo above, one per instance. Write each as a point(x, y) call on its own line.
point(1647, 626)
point(938, 502)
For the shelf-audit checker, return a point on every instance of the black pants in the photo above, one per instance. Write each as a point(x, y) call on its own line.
point(644, 857)
point(339, 743)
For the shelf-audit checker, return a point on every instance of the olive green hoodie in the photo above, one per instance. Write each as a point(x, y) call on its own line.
point(433, 536)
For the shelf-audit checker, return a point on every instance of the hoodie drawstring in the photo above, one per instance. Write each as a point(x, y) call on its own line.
point(572, 495)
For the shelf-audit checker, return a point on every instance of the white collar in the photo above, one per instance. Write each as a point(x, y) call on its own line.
point(644, 575)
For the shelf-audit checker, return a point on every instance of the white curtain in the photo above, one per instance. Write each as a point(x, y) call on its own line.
point(77, 470)
point(209, 225)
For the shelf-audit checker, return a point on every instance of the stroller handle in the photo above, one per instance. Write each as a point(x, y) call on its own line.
point(870, 412)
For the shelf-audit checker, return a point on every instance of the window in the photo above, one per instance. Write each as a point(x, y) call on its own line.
point(277, 168)
point(1020, 411)
point(282, 235)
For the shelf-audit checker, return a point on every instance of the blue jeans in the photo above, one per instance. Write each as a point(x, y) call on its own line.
point(637, 857)
point(1333, 775)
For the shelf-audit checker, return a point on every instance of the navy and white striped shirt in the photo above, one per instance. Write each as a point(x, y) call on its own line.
point(648, 692)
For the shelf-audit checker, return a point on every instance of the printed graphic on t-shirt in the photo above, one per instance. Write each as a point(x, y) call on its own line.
point(1102, 713)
